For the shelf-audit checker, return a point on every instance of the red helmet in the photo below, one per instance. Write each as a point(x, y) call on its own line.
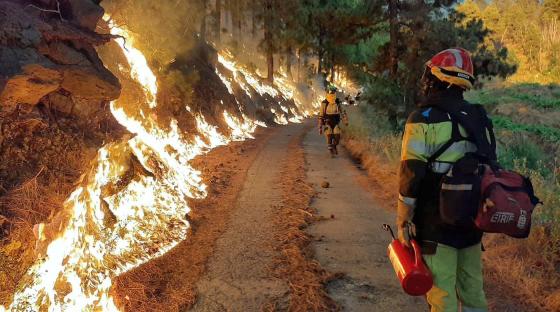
point(453, 66)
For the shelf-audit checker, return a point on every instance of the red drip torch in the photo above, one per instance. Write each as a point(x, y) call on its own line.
point(415, 278)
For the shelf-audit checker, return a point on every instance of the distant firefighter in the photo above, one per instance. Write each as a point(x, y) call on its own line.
point(330, 116)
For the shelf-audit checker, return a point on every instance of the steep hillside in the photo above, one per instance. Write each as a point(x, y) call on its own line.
point(79, 192)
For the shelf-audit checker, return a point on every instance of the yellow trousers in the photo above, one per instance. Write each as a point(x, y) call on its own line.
point(332, 135)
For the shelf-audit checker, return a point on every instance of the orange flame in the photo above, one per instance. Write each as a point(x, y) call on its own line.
point(131, 206)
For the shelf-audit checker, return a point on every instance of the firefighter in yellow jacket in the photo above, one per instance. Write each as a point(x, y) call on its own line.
point(428, 152)
point(330, 116)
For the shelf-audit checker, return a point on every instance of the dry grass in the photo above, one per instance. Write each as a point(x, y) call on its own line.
point(23, 206)
point(37, 177)
point(304, 275)
point(520, 275)
point(382, 172)
point(527, 269)
point(168, 282)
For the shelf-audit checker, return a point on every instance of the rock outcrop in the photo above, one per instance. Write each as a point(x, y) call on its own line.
point(47, 47)
point(54, 115)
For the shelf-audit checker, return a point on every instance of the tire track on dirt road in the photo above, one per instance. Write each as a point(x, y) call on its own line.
point(239, 273)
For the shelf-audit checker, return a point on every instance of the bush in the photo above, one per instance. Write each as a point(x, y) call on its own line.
point(516, 147)
point(546, 133)
point(516, 151)
point(371, 126)
point(543, 97)
point(385, 96)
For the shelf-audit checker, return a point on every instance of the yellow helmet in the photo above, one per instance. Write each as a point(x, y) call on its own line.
point(331, 97)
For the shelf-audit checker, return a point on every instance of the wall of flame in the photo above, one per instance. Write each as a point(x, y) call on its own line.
point(131, 206)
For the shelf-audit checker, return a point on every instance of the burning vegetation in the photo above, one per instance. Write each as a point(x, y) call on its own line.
point(136, 123)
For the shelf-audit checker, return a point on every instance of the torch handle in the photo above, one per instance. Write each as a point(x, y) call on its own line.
point(388, 228)
point(417, 252)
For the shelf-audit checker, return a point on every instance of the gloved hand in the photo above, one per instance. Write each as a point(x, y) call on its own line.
point(405, 233)
point(405, 227)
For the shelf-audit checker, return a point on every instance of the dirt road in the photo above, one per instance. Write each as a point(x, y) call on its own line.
point(239, 274)
point(352, 241)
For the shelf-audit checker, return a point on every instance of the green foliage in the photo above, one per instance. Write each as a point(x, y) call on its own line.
point(384, 95)
point(550, 134)
point(364, 52)
point(520, 147)
point(338, 27)
point(538, 96)
point(533, 45)
point(537, 101)
point(420, 36)
point(370, 126)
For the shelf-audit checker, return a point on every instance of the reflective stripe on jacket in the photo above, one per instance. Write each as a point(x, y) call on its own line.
point(426, 131)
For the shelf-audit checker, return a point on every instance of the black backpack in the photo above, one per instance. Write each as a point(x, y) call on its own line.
point(477, 192)
point(480, 130)
point(460, 187)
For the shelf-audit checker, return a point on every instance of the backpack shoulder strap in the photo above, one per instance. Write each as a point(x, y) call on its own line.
point(474, 119)
point(488, 143)
point(455, 137)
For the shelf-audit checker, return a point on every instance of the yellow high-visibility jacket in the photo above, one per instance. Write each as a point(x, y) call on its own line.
point(331, 113)
point(427, 130)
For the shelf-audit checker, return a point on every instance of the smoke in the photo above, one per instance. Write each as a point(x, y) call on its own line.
point(165, 28)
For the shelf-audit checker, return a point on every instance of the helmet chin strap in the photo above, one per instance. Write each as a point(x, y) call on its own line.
point(429, 81)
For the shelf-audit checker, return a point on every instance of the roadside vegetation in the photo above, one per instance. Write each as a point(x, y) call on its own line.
point(527, 127)
point(527, 268)
point(514, 46)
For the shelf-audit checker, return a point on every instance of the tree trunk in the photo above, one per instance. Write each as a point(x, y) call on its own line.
point(393, 32)
point(218, 20)
point(332, 69)
point(203, 22)
point(268, 40)
point(289, 62)
point(321, 52)
point(254, 19)
point(270, 62)
point(240, 19)
point(320, 62)
point(235, 20)
point(227, 21)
